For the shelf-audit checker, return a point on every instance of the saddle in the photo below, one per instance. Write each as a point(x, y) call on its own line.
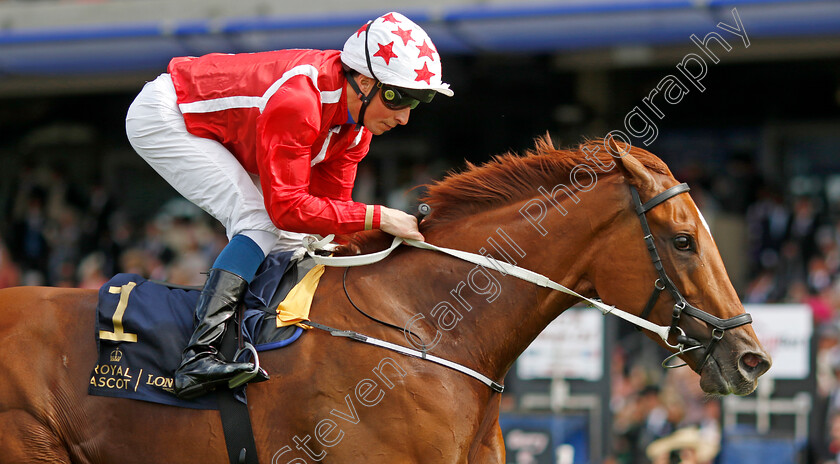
point(142, 326)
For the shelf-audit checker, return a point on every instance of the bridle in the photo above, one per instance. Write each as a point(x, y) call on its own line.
point(681, 306)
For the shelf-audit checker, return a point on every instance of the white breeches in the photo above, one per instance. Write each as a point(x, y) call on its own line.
point(202, 170)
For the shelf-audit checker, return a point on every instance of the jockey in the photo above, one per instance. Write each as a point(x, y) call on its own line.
point(268, 143)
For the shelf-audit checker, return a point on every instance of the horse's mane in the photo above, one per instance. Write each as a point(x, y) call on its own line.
point(511, 177)
point(508, 178)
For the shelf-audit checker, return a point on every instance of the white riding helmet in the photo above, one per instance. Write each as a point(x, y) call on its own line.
point(396, 52)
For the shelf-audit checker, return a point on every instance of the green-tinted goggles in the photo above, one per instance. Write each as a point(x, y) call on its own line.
point(397, 98)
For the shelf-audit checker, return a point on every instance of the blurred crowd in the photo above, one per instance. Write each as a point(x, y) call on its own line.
point(60, 233)
point(66, 234)
point(661, 416)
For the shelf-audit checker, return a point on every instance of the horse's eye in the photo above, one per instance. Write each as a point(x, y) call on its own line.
point(684, 243)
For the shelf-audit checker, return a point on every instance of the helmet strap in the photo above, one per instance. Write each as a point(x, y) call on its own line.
point(365, 99)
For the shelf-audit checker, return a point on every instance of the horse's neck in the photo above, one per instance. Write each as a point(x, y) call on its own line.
point(481, 317)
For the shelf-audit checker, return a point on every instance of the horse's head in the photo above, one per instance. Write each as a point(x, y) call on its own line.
point(691, 293)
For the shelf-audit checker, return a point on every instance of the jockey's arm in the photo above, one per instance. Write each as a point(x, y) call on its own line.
point(287, 129)
point(336, 180)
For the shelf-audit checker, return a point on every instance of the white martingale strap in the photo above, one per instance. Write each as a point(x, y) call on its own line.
point(516, 271)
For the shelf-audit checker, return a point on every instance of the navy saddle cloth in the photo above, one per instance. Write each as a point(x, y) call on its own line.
point(142, 327)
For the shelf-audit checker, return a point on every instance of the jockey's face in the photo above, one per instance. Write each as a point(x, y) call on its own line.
point(378, 118)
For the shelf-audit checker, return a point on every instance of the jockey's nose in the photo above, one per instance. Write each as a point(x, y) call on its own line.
point(402, 116)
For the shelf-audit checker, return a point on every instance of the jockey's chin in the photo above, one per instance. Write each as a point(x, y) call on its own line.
point(379, 119)
point(378, 127)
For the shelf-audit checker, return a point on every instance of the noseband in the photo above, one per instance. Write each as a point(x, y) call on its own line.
point(681, 306)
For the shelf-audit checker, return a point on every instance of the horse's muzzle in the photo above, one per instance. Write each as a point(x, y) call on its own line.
point(723, 375)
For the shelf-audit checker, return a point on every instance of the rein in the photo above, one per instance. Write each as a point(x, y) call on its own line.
point(516, 271)
point(404, 330)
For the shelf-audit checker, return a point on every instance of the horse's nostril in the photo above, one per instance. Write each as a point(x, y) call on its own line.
point(751, 360)
point(753, 365)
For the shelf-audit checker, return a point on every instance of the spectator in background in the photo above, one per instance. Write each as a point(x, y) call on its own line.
point(763, 288)
point(98, 209)
point(684, 446)
point(61, 193)
point(63, 235)
point(802, 229)
point(91, 271)
point(827, 410)
point(28, 241)
point(767, 224)
point(736, 190)
point(833, 456)
point(652, 412)
point(643, 420)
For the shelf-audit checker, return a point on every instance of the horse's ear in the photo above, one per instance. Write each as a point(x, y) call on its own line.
point(637, 174)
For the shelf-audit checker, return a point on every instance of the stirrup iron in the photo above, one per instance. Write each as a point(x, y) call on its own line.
point(245, 377)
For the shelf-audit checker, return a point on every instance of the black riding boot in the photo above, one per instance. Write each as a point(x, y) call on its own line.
point(202, 368)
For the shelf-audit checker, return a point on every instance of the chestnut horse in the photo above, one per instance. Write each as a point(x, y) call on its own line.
point(566, 214)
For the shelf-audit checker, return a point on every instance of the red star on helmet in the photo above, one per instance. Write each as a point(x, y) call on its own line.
point(386, 53)
point(426, 50)
point(404, 35)
point(423, 74)
point(361, 30)
point(390, 18)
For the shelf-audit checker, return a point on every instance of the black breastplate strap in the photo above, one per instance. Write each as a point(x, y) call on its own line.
point(663, 282)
